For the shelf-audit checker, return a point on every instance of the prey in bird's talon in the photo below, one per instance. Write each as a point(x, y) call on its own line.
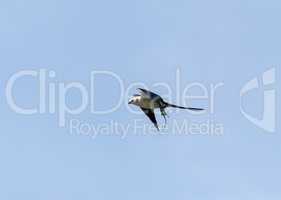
point(148, 101)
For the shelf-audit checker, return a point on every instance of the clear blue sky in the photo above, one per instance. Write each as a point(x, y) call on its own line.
point(212, 41)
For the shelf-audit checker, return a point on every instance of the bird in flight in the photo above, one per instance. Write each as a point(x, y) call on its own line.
point(148, 101)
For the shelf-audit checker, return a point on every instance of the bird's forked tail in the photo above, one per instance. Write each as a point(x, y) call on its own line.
point(181, 107)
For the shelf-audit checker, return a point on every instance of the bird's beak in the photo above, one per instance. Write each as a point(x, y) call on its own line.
point(130, 102)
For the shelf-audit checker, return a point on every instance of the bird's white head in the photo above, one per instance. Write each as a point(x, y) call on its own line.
point(134, 100)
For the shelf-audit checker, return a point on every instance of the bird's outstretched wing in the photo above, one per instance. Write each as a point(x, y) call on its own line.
point(150, 95)
point(150, 114)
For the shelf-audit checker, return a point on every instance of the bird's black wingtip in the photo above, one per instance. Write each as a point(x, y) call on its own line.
point(157, 127)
